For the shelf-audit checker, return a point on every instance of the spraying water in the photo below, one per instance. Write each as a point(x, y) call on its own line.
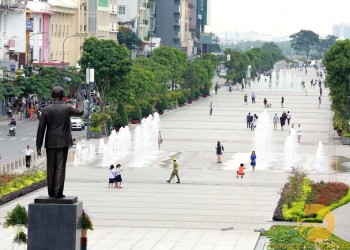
point(262, 140)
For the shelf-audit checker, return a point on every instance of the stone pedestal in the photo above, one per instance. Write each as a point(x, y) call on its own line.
point(54, 224)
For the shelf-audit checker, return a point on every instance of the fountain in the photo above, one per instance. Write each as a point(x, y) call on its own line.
point(321, 163)
point(262, 140)
point(146, 139)
point(84, 152)
point(290, 150)
point(118, 146)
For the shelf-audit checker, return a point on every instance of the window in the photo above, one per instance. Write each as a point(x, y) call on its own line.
point(121, 9)
point(39, 24)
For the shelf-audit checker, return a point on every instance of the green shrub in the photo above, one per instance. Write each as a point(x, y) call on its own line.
point(135, 114)
point(162, 104)
point(294, 238)
point(95, 129)
point(146, 109)
point(122, 121)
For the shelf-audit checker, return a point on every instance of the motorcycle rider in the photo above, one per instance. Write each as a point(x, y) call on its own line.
point(12, 124)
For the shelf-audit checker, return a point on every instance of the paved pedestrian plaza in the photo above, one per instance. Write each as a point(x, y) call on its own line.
point(211, 208)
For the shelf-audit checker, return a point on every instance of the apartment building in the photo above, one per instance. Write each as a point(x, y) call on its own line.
point(38, 26)
point(12, 36)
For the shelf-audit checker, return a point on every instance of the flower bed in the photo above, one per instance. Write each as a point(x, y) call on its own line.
point(292, 238)
point(303, 200)
point(13, 186)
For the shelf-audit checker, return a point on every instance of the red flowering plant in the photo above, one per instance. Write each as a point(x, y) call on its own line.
point(326, 193)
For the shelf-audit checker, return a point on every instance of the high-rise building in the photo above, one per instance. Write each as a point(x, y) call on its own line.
point(342, 31)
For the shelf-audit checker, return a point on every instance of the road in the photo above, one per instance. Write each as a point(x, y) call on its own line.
point(11, 147)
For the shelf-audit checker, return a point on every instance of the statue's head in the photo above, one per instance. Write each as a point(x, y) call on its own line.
point(57, 92)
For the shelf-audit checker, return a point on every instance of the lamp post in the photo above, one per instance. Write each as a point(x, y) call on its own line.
point(63, 48)
point(28, 44)
point(90, 78)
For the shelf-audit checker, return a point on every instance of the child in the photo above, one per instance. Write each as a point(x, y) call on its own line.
point(241, 170)
point(118, 176)
point(111, 176)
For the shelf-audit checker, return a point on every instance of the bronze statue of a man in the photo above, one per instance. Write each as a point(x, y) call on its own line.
point(55, 120)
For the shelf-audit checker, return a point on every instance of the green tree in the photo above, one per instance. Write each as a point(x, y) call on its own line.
point(303, 41)
point(237, 66)
point(128, 38)
point(324, 44)
point(174, 60)
point(337, 62)
point(111, 62)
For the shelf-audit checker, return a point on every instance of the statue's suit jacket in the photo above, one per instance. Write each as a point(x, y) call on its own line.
point(55, 120)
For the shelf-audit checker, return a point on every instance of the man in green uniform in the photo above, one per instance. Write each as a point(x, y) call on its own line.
point(175, 172)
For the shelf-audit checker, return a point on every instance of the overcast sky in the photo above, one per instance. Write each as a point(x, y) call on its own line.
point(276, 17)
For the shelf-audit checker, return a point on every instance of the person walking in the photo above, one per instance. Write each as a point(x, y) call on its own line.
point(319, 101)
point(253, 97)
point(248, 120)
point(288, 117)
point(28, 153)
point(299, 133)
point(320, 91)
point(240, 170)
point(282, 121)
point(118, 176)
point(245, 99)
point(160, 139)
point(31, 113)
point(253, 124)
point(211, 108)
point(253, 160)
point(275, 122)
point(219, 148)
point(175, 172)
point(111, 176)
point(282, 101)
point(216, 87)
point(265, 103)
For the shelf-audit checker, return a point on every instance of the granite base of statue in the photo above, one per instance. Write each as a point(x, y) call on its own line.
point(54, 223)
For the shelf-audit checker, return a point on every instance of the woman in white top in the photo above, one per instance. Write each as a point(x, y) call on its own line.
point(111, 176)
point(118, 176)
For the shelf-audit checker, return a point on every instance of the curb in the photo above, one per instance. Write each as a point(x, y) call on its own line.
point(20, 162)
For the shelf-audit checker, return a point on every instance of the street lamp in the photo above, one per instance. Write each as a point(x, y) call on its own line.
point(28, 44)
point(90, 78)
point(63, 48)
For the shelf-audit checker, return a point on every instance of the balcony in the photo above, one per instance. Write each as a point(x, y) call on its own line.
point(12, 4)
point(176, 36)
point(177, 9)
point(177, 22)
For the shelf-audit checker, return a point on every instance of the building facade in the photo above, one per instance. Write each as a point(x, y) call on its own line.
point(342, 31)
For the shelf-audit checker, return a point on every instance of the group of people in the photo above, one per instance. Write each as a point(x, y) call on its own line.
point(241, 168)
point(285, 117)
point(251, 121)
point(115, 176)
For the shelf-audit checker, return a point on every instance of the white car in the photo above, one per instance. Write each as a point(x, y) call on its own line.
point(77, 123)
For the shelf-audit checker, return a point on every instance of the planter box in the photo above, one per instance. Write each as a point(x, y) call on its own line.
point(345, 140)
point(134, 121)
point(170, 107)
point(190, 101)
point(182, 105)
point(95, 134)
point(204, 96)
point(160, 112)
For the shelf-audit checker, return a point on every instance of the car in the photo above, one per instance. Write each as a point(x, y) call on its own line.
point(71, 102)
point(77, 123)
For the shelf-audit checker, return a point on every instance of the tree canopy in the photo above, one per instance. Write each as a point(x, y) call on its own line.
point(337, 62)
point(303, 41)
point(111, 63)
point(128, 38)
